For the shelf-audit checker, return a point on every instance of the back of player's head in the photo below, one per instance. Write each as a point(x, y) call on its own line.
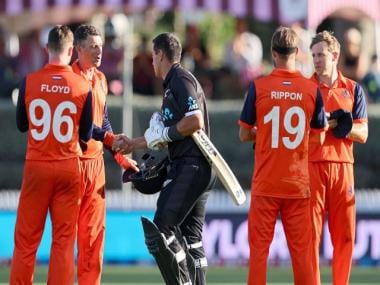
point(83, 32)
point(170, 46)
point(327, 37)
point(60, 37)
point(284, 41)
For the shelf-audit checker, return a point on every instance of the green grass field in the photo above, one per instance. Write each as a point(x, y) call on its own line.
point(128, 275)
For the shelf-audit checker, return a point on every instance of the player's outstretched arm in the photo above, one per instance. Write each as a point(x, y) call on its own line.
point(125, 145)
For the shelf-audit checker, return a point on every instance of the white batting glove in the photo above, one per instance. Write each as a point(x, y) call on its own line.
point(156, 120)
point(156, 137)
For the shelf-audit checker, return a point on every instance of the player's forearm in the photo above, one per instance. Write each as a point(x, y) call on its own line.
point(125, 145)
point(359, 132)
point(247, 135)
point(139, 143)
point(188, 125)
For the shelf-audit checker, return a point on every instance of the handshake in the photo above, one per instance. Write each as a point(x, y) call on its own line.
point(155, 137)
point(122, 144)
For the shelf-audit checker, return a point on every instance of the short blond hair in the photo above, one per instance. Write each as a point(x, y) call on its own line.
point(284, 41)
point(328, 37)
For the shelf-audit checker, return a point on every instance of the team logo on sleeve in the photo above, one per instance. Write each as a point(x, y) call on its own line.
point(192, 104)
point(167, 114)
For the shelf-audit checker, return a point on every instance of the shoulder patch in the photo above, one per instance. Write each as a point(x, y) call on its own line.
point(192, 104)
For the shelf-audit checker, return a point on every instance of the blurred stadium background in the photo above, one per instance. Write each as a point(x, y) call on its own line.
point(206, 28)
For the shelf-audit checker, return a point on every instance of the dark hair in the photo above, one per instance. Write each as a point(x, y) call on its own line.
point(170, 46)
point(83, 31)
point(284, 41)
point(59, 37)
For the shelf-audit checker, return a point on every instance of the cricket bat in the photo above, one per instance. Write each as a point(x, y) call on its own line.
point(223, 171)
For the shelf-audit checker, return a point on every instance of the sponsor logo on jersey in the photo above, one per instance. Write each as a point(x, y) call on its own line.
point(192, 104)
point(55, 88)
point(167, 114)
point(285, 95)
point(345, 93)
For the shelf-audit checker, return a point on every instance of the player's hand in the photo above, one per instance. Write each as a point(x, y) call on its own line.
point(110, 139)
point(83, 145)
point(126, 162)
point(254, 133)
point(154, 138)
point(332, 123)
point(340, 123)
point(122, 144)
point(156, 135)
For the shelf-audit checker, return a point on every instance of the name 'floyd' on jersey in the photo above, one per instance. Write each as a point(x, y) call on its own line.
point(55, 88)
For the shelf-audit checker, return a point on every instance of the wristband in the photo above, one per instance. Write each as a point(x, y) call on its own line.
point(108, 139)
point(174, 134)
point(170, 134)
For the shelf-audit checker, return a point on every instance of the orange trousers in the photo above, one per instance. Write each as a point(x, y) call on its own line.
point(295, 216)
point(91, 222)
point(332, 192)
point(52, 186)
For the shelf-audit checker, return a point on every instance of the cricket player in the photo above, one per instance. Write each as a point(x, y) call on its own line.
point(175, 236)
point(55, 107)
point(91, 222)
point(278, 112)
point(331, 164)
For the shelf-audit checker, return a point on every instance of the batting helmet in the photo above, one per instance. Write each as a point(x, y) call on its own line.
point(151, 176)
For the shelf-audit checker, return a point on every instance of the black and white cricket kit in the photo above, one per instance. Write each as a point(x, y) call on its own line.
point(181, 204)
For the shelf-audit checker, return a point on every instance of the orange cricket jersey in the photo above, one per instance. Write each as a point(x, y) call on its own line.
point(283, 105)
point(99, 91)
point(54, 100)
point(345, 94)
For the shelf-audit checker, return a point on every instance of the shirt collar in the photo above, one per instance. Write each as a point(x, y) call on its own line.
point(58, 67)
point(77, 69)
point(170, 74)
point(341, 81)
point(284, 72)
